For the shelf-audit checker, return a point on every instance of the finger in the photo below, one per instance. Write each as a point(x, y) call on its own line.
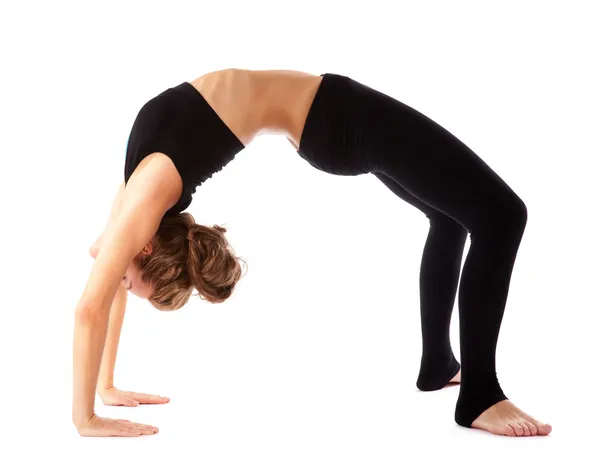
point(125, 432)
point(148, 398)
point(141, 395)
point(122, 401)
point(126, 402)
point(140, 426)
point(142, 430)
point(130, 424)
point(153, 399)
point(149, 432)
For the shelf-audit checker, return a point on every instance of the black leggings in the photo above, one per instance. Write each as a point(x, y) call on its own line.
point(353, 129)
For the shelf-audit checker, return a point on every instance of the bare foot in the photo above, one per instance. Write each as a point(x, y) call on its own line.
point(456, 378)
point(504, 418)
point(454, 381)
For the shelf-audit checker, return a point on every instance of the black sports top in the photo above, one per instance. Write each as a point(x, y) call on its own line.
point(181, 124)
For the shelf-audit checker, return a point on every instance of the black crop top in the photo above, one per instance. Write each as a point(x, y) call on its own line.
point(181, 124)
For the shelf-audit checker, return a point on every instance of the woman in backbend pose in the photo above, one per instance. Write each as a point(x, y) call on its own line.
point(340, 126)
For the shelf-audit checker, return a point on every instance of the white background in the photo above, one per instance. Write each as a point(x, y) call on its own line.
point(310, 367)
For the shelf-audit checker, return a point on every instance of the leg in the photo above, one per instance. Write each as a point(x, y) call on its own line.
point(452, 179)
point(441, 171)
point(356, 129)
point(438, 282)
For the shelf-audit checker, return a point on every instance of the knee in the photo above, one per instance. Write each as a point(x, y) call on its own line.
point(517, 214)
point(508, 215)
point(448, 225)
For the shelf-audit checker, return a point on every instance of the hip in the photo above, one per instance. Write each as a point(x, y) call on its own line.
point(352, 129)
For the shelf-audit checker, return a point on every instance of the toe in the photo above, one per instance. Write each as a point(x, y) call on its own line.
point(532, 428)
point(518, 428)
point(544, 429)
point(509, 430)
point(526, 429)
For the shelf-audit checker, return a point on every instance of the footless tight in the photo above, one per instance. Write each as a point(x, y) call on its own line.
point(351, 129)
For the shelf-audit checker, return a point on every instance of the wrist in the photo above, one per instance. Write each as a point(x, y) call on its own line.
point(104, 386)
point(81, 419)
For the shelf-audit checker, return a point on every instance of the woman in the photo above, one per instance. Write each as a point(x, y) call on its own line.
point(340, 126)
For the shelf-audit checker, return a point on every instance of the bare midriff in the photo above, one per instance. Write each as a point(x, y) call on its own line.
point(258, 102)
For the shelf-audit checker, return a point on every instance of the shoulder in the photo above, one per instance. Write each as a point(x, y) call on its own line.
point(155, 179)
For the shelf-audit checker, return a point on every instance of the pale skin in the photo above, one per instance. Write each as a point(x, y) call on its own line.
point(250, 103)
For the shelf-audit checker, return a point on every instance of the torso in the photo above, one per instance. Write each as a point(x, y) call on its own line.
point(252, 102)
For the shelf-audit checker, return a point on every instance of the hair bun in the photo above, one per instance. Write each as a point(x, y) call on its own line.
point(219, 228)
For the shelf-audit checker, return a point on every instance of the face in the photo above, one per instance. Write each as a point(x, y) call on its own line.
point(134, 284)
point(132, 280)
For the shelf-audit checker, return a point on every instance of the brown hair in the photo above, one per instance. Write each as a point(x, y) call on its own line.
point(184, 256)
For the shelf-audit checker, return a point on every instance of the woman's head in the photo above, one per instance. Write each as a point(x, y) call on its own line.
point(184, 256)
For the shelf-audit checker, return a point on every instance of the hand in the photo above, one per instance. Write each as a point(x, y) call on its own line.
point(114, 396)
point(98, 426)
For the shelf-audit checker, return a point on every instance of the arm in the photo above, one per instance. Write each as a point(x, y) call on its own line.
point(117, 309)
point(148, 195)
point(109, 394)
point(114, 213)
point(133, 229)
point(109, 357)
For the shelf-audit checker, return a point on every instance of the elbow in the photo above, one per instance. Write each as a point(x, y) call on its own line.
point(86, 312)
point(94, 249)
